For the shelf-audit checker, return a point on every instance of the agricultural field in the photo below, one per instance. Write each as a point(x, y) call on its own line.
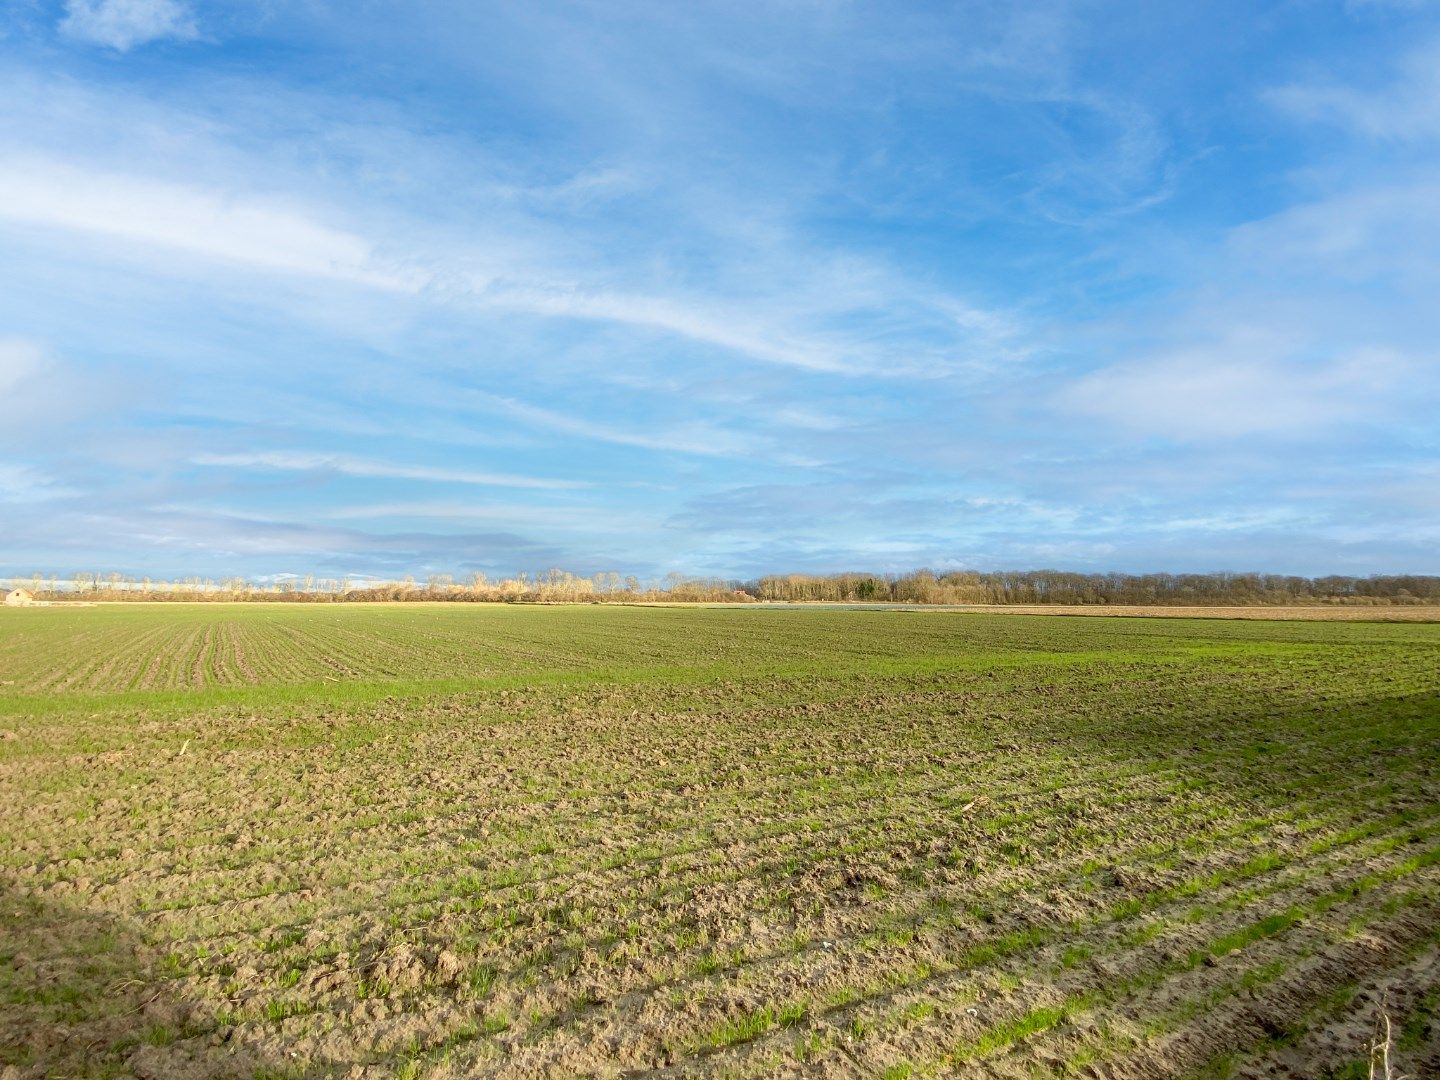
point(454, 840)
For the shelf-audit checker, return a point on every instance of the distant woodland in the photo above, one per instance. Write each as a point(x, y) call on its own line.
point(918, 587)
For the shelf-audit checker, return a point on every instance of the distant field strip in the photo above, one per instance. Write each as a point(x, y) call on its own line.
point(123, 647)
point(847, 843)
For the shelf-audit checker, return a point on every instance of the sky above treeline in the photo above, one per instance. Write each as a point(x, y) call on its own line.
point(382, 288)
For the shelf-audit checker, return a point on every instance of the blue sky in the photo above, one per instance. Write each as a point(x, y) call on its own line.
point(376, 288)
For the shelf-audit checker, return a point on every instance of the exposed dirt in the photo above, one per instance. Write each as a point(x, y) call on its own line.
point(1028, 848)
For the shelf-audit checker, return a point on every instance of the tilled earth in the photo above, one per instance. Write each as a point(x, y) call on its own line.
point(889, 846)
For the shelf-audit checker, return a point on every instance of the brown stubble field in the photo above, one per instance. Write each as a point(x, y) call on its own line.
point(272, 840)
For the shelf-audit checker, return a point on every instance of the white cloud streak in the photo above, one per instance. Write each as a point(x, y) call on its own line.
point(1239, 388)
point(123, 24)
point(565, 518)
point(233, 224)
point(346, 465)
point(213, 224)
point(724, 330)
point(20, 363)
point(23, 484)
point(1405, 109)
point(695, 439)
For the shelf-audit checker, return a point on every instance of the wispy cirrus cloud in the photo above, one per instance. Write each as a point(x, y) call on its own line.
point(569, 518)
point(228, 226)
point(23, 484)
point(1238, 388)
point(346, 465)
point(238, 227)
point(824, 286)
point(124, 24)
point(1402, 106)
point(697, 438)
point(731, 330)
point(21, 362)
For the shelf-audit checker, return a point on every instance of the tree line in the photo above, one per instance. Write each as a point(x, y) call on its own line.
point(1066, 587)
point(551, 586)
point(918, 587)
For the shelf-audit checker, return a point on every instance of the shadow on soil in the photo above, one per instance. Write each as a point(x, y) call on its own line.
point(81, 994)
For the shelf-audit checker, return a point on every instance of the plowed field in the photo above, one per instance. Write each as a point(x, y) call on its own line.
point(271, 840)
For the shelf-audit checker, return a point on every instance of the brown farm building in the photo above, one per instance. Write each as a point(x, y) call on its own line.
point(18, 598)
